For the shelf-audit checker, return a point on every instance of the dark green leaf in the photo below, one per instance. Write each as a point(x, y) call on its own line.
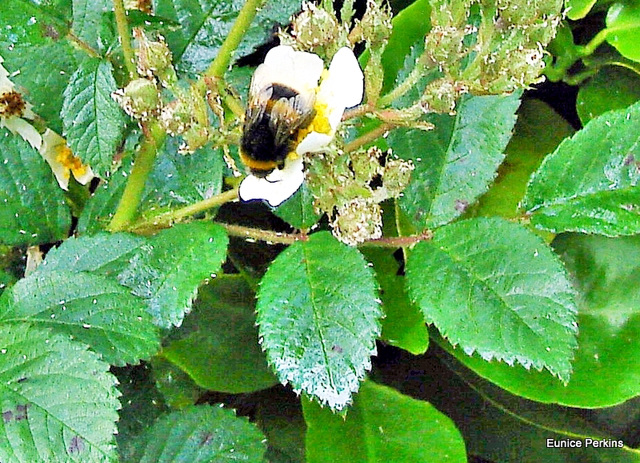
point(33, 208)
point(382, 426)
point(205, 24)
point(199, 435)
point(31, 36)
point(87, 20)
point(495, 288)
point(169, 270)
point(612, 87)
point(623, 25)
point(318, 314)
point(91, 308)
point(590, 183)
point(298, 210)
point(102, 204)
point(177, 388)
point(538, 131)
point(606, 369)
point(218, 345)
point(456, 162)
point(93, 122)
point(58, 400)
point(403, 325)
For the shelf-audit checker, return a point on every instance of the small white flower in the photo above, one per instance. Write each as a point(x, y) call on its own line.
point(62, 161)
point(342, 87)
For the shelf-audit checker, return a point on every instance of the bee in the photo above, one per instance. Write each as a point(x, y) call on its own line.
point(275, 115)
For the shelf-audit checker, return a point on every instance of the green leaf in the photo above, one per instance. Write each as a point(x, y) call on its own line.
point(201, 434)
point(91, 308)
point(613, 87)
point(218, 343)
point(102, 204)
point(169, 270)
point(87, 20)
point(279, 416)
point(495, 288)
point(382, 426)
point(578, 9)
point(58, 400)
point(590, 182)
point(623, 27)
point(456, 162)
point(605, 370)
point(33, 207)
point(93, 122)
point(298, 211)
point(403, 324)
point(319, 314)
point(104, 254)
point(37, 55)
point(538, 132)
point(205, 24)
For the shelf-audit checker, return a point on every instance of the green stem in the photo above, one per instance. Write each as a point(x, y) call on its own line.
point(125, 37)
point(412, 79)
point(128, 206)
point(594, 43)
point(367, 138)
point(166, 219)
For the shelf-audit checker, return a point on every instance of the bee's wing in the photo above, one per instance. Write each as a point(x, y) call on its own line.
point(257, 106)
point(290, 114)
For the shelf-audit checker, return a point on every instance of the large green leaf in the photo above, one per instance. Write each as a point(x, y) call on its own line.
point(623, 27)
point(382, 426)
point(318, 314)
point(33, 207)
point(93, 122)
point(205, 24)
point(495, 288)
point(87, 20)
point(218, 343)
point(455, 163)
point(58, 400)
point(37, 54)
point(613, 87)
point(91, 308)
point(169, 270)
point(606, 368)
point(590, 182)
point(199, 435)
point(298, 210)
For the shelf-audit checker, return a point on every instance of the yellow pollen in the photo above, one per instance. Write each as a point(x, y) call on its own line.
point(65, 157)
point(319, 124)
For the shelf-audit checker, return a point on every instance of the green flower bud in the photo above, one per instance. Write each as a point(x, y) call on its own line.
point(139, 99)
point(315, 28)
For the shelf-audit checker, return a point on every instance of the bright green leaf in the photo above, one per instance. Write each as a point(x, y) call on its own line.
point(319, 314)
point(93, 122)
point(613, 87)
point(87, 20)
point(91, 308)
point(383, 426)
point(606, 368)
point(590, 183)
point(59, 401)
point(102, 204)
point(220, 350)
point(33, 208)
point(205, 24)
point(456, 162)
point(623, 27)
point(169, 270)
point(200, 435)
point(495, 288)
point(578, 9)
point(538, 131)
point(298, 210)
point(403, 324)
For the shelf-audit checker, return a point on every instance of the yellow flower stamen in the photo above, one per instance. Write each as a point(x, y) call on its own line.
point(12, 104)
point(65, 156)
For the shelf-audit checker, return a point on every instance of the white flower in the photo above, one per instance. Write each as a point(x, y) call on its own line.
point(62, 161)
point(342, 87)
point(13, 108)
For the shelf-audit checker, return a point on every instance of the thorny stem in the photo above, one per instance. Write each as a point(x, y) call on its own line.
point(125, 37)
point(412, 79)
point(166, 219)
point(357, 111)
point(154, 136)
point(367, 138)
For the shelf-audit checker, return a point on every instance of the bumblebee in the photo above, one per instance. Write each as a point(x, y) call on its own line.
point(273, 120)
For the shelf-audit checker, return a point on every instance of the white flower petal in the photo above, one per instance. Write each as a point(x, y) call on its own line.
point(5, 84)
point(24, 129)
point(344, 84)
point(295, 69)
point(315, 142)
point(86, 177)
point(49, 151)
point(277, 187)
